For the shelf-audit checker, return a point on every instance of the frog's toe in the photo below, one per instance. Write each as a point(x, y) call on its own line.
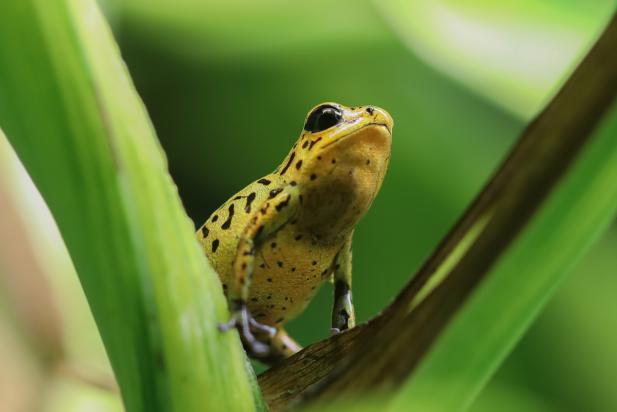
point(254, 347)
point(270, 331)
point(231, 324)
point(334, 331)
point(242, 320)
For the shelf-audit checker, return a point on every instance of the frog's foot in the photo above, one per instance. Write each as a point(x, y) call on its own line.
point(242, 320)
point(334, 331)
point(343, 316)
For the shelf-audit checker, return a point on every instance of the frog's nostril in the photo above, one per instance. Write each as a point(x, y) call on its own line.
point(370, 110)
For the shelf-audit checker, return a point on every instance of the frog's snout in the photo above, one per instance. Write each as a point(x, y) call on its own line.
point(380, 116)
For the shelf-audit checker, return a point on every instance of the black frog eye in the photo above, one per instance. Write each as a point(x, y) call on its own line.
point(322, 118)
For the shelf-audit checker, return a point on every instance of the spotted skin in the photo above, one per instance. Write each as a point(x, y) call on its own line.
point(276, 241)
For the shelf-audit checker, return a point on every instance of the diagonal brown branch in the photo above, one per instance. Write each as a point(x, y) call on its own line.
point(356, 361)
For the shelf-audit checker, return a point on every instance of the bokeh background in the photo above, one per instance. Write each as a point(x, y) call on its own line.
point(228, 83)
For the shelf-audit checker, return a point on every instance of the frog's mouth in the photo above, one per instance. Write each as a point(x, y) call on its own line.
point(383, 125)
point(355, 132)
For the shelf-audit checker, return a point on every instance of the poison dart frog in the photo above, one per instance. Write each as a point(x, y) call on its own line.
point(277, 240)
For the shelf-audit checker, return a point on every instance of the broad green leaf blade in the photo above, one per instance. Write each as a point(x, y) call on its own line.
point(71, 112)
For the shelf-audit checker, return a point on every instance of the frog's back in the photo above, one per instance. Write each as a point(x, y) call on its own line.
point(221, 232)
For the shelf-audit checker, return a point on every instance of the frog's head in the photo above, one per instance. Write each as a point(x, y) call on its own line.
point(338, 137)
point(342, 151)
point(332, 122)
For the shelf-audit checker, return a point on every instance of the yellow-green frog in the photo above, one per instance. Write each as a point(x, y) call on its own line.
point(277, 240)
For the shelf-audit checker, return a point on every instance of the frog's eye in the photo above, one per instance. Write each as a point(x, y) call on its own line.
point(322, 118)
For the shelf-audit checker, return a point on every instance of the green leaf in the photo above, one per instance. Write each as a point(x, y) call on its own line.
point(519, 284)
point(71, 112)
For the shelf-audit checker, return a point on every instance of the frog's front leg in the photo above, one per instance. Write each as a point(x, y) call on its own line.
point(343, 315)
point(258, 339)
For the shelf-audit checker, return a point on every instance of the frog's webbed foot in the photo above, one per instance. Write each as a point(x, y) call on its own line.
point(242, 320)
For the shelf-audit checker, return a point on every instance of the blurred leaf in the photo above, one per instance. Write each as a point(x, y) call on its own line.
point(514, 53)
point(25, 288)
point(231, 28)
point(519, 284)
point(511, 399)
point(68, 395)
point(455, 321)
point(69, 109)
point(567, 358)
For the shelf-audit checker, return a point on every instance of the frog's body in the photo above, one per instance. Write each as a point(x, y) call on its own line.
point(277, 240)
point(284, 276)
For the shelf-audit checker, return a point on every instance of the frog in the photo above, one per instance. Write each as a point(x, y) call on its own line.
point(275, 242)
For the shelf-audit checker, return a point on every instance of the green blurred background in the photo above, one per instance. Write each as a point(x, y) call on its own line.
point(228, 83)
